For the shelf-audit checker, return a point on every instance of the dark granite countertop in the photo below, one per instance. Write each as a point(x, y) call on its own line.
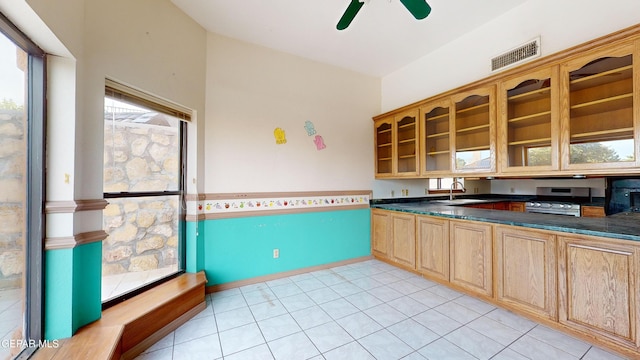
point(624, 226)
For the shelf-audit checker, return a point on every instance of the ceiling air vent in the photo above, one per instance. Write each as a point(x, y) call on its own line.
point(515, 56)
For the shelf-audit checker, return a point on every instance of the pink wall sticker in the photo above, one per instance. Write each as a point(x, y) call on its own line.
point(319, 142)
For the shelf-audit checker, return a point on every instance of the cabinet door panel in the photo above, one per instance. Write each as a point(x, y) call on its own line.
point(471, 256)
point(404, 239)
point(406, 143)
point(599, 119)
point(598, 288)
point(529, 129)
point(433, 247)
point(383, 140)
point(526, 270)
point(380, 232)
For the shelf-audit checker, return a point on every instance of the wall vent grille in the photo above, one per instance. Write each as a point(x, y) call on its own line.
point(520, 54)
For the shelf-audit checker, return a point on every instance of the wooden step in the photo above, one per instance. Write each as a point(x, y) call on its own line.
point(127, 329)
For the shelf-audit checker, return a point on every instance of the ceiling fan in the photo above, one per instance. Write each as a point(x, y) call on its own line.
point(418, 8)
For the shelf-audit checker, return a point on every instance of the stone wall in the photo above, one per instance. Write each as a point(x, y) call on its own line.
point(12, 197)
point(141, 155)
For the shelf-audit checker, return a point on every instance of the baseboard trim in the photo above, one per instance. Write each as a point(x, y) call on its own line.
point(239, 283)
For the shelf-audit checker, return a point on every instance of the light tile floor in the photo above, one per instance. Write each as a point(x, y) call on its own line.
point(367, 310)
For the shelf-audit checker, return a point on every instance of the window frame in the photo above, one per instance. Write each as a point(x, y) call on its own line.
point(441, 190)
point(140, 98)
point(35, 107)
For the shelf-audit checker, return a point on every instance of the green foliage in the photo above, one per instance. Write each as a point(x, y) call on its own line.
point(539, 156)
point(592, 153)
point(8, 104)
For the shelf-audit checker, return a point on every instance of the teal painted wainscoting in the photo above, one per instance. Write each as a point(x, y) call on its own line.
point(72, 289)
point(242, 247)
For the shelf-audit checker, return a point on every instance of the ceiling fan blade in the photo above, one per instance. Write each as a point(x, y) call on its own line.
point(418, 8)
point(349, 14)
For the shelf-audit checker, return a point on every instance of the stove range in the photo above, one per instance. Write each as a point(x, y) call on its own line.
point(559, 201)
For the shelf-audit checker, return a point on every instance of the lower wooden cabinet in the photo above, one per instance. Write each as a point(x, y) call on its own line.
point(380, 232)
point(526, 270)
point(433, 247)
point(587, 284)
point(516, 206)
point(393, 236)
point(403, 239)
point(592, 211)
point(598, 287)
point(471, 260)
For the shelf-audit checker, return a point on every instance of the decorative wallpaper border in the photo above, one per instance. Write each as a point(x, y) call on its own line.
point(213, 206)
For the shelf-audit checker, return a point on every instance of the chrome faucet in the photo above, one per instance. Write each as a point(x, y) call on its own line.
point(453, 184)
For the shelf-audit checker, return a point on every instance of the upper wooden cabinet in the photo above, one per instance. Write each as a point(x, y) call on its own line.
point(397, 144)
point(473, 141)
point(599, 120)
point(436, 128)
point(529, 130)
point(568, 113)
point(383, 140)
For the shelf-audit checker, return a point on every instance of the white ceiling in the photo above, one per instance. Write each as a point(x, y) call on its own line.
point(382, 38)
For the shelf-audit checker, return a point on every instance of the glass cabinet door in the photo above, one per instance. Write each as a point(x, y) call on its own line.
point(435, 136)
point(407, 143)
point(601, 121)
point(384, 147)
point(474, 118)
point(531, 136)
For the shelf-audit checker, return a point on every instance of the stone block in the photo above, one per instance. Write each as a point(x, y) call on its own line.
point(143, 263)
point(145, 218)
point(151, 243)
point(137, 169)
point(11, 263)
point(125, 234)
point(117, 254)
point(139, 146)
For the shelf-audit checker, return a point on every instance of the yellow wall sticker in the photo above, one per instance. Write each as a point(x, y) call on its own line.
point(278, 133)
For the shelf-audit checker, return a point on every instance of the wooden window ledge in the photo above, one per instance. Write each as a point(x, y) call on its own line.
point(127, 329)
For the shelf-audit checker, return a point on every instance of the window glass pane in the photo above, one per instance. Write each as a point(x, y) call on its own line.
point(444, 183)
point(602, 152)
point(538, 156)
point(141, 149)
point(13, 193)
point(142, 246)
point(141, 155)
point(469, 160)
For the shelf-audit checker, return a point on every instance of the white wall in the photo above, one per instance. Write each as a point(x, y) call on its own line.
point(528, 186)
point(253, 90)
point(386, 189)
point(561, 24)
point(141, 43)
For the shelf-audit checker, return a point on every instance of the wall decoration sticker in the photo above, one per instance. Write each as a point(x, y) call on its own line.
point(319, 142)
point(235, 205)
point(278, 133)
point(308, 125)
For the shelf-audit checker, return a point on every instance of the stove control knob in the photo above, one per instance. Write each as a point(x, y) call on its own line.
point(561, 206)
